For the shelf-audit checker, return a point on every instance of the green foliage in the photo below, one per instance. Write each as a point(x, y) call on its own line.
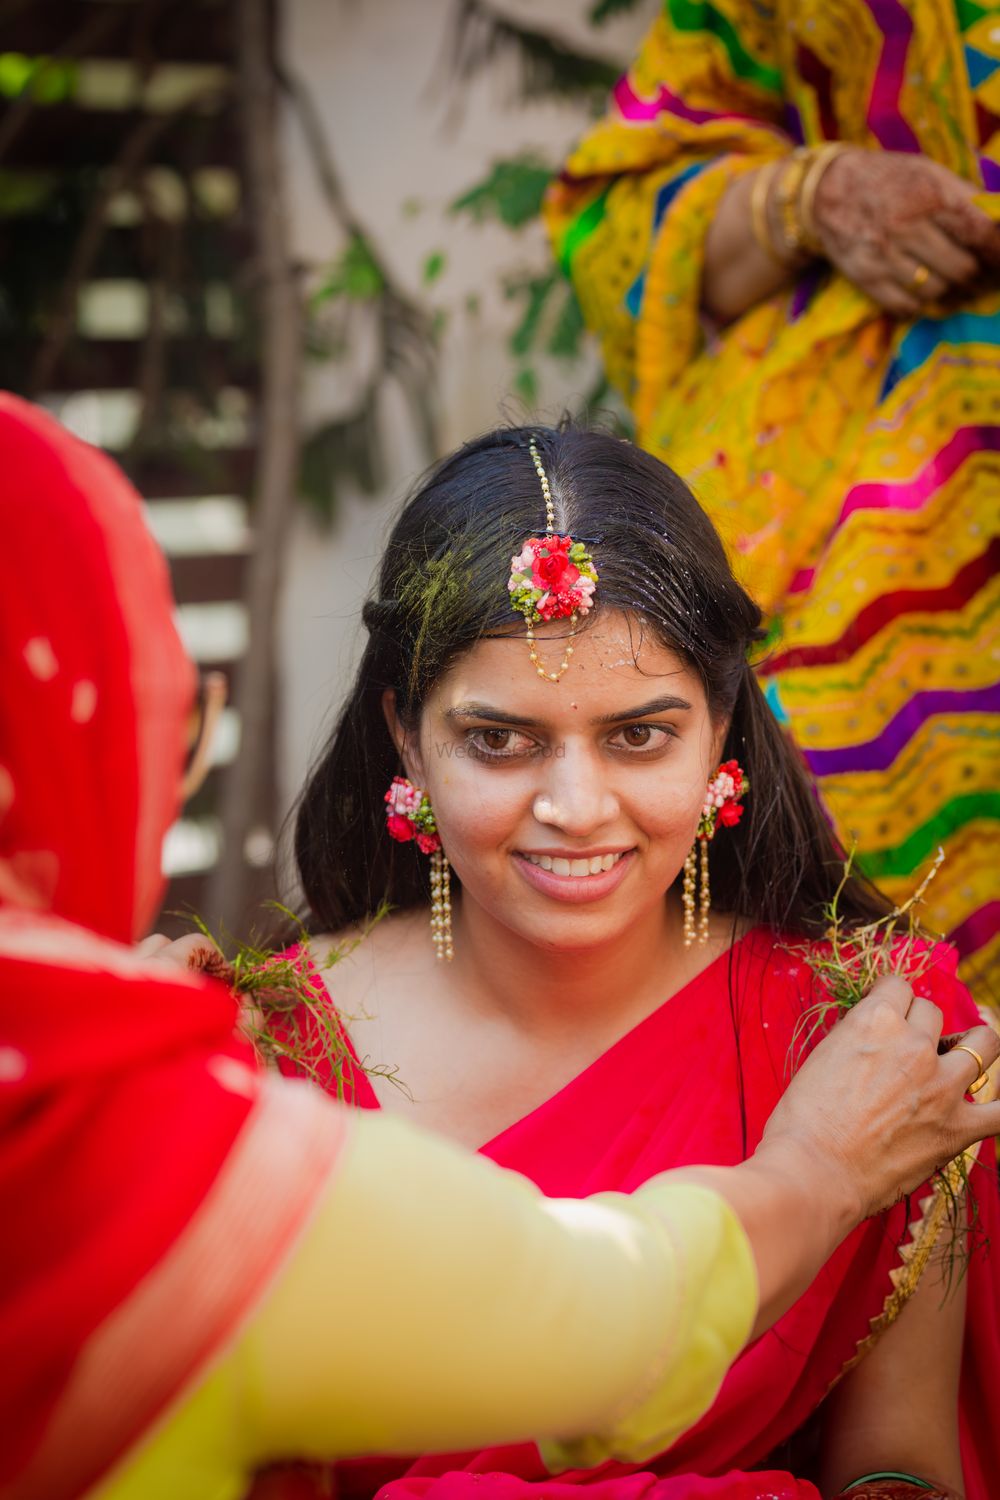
point(605, 9)
point(526, 385)
point(536, 291)
point(567, 335)
point(857, 956)
point(551, 320)
point(281, 1013)
point(845, 968)
point(434, 266)
point(355, 273)
point(45, 215)
point(433, 596)
point(25, 193)
point(547, 65)
point(512, 192)
point(344, 450)
point(48, 80)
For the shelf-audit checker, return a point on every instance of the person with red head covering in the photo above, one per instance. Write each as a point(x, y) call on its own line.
point(192, 1247)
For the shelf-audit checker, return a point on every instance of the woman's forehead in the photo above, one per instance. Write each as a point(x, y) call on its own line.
point(617, 665)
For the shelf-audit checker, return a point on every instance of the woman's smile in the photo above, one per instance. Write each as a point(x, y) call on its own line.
point(575, 878)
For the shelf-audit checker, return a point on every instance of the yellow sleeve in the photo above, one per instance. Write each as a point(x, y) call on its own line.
point(438, 1302)
point(702, 102)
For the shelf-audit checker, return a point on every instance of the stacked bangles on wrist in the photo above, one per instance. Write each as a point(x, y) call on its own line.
point(784, 221)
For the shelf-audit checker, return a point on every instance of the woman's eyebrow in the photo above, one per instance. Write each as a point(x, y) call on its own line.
point(462, 711)
point(487, 711)
point(666, 704)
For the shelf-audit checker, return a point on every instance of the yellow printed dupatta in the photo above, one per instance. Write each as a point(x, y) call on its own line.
point(852, 462)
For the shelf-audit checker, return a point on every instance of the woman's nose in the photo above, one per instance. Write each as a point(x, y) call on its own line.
point(576, 796)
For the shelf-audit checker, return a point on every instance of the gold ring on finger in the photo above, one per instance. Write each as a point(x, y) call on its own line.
point(982, 1079)
point(920, 278)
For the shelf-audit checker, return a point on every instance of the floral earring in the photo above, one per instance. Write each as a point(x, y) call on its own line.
point(409, 816)
point(725, 792)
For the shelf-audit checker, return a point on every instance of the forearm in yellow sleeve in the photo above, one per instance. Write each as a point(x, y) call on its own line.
point(715, 1286)
point(439, 1302)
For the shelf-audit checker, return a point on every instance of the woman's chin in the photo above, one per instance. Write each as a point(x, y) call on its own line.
point(576, 927)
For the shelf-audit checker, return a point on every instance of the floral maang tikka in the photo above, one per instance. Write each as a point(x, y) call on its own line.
point(551, 578)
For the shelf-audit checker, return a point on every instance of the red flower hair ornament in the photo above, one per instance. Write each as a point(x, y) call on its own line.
point(551, 578)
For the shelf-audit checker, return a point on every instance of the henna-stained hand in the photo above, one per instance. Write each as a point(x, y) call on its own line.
point(904, 229)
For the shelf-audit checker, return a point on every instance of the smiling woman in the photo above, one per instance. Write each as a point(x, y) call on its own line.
point(579, 1035)
point(669, 622)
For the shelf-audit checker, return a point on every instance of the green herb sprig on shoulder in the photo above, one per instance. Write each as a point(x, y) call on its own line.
point(285, 1016)
point(845, 967)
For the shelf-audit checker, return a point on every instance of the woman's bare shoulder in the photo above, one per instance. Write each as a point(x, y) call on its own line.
point(354, 960)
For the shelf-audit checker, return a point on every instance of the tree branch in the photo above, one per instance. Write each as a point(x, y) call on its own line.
point(277, 458)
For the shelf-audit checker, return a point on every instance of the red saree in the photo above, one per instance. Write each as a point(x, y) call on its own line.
point(675, 1091)
point(151, 1181)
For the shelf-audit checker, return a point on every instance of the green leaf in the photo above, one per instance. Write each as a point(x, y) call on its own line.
point(54, 83)
point(25, 193)
point(15, 73)
point(537, 290)
point(605, 9)
point(545, 63)
point(345, 450)
point(564, 341)
point(355, 274)
point(526, 385)
point(433, 266)
point(48, 80)
point(512, 192)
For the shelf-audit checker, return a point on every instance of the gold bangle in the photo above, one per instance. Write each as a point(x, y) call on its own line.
point(821, 157)
point(789, 187)
point(759, 222)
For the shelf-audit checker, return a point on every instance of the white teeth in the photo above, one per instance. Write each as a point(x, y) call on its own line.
point(574, 867)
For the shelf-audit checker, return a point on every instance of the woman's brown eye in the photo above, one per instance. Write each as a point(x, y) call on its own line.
point(496, 739)
point(637, 734)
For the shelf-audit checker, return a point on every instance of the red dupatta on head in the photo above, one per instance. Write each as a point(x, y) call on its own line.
point(151, 1181)
point(695, 1083)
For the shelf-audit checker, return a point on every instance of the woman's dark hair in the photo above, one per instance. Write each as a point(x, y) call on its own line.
point(442, 587)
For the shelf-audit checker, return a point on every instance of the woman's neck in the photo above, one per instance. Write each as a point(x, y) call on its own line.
point(541, 991)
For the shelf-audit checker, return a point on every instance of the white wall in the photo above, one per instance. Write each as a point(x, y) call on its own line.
point(408, 139)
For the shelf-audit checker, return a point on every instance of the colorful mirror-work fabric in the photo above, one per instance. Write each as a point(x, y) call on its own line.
point(851, 461)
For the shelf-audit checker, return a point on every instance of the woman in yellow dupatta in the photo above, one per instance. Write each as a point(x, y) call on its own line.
point(838, 412)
